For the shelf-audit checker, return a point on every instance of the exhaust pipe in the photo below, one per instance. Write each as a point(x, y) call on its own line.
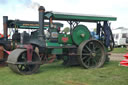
point(41, 21)
point(5, 28)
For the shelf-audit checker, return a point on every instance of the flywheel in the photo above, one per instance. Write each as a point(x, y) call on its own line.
point(80, 33)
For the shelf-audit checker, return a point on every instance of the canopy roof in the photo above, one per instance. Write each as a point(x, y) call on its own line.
point(29, 24)
point(78, 17)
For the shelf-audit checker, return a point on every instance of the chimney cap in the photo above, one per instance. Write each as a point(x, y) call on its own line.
point(41, 8)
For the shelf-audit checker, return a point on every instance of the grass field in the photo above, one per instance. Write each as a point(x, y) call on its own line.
point(120, 50)
point(57, 74)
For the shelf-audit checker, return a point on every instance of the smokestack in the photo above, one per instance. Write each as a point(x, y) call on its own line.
point(41, 21)
point(41, 35)
point(5, 28)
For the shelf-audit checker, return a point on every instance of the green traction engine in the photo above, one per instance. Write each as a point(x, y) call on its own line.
point(78, 47)
point(15, 32)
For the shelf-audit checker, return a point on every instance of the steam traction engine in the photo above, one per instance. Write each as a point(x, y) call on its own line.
point(76, 47)
point(14, 36)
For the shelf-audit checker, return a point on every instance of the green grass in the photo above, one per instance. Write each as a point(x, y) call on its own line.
point(120, 50)
point(57, 74)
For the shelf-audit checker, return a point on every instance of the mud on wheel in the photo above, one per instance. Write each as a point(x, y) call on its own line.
point(17, 61)
point(91, 53)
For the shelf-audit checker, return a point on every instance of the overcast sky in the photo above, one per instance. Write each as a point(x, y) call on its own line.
point(27, 9)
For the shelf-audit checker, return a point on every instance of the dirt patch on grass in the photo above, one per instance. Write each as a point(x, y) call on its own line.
point(117, 56)
point(74, 83)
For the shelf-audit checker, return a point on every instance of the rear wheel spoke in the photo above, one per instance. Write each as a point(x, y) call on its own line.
point(86, 54)
point(88, 48)
point(88, 60)
point(95, 62)
point(84, 57)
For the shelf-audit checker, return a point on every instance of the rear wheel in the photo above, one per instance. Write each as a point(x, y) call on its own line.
point(92, 54)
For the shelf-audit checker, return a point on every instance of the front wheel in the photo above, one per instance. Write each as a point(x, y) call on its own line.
point(22, 66)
